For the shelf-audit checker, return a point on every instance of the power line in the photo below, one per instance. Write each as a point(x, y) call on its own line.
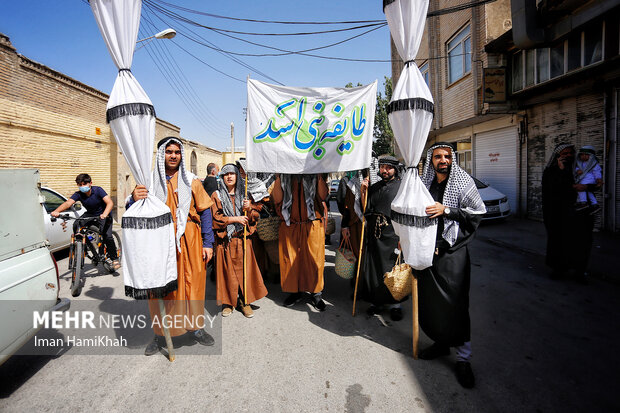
point(219, 50)
point(185, 92)
point(197, 99)
point(179, 17)
point(284, 51)
point(261, 21)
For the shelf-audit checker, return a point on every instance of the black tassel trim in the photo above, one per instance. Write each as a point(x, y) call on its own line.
point(129, 109)
point(387, 3)
point(147, 223)
point(410, 104)
point(147, 293)
point(412, 220)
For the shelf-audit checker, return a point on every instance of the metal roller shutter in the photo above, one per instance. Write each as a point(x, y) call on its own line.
point(495, 161)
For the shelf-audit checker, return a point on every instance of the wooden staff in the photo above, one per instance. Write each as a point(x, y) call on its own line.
point(359, 258)
point(245, 213)
point(162, 314)
point(416, 324)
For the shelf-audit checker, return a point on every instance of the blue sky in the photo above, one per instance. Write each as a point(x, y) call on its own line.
point(63, 35)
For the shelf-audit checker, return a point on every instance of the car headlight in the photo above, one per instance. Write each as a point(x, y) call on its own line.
point(504, 199)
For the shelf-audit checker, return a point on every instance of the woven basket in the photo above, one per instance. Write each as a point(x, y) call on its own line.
point(399, 280)
point(273, 251)
point(345, 260)
point(330, 228)
point(268, 228)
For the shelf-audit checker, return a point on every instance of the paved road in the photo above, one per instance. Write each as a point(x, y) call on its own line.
point(539, 345)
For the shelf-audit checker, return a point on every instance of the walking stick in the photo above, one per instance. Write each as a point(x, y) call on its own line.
point(359, 258)
point(416, 324)
point(245, 213)
point(162, 314)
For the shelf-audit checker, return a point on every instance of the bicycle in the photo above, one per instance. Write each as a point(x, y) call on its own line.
point(87, 241)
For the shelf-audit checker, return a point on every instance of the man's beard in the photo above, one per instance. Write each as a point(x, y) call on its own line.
point(386, 176)
point(443, 169)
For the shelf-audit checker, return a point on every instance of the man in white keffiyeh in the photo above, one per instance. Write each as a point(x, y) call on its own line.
point(444, 287)
point(190, 206)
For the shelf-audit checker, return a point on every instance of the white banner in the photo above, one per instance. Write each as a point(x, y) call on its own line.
point(297, 130)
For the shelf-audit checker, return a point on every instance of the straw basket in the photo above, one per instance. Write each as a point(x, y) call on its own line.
point(268, 228)
point(398, 281)
point(273, 252)
point(345, 260)
point(330, 228)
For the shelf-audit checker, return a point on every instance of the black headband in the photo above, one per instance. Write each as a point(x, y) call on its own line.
point(167, 138)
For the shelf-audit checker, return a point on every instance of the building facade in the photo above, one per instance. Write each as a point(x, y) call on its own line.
point(56, 124)
point(562, 65)
point(511, 79)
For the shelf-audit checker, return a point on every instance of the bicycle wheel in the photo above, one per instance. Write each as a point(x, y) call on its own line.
point(76, 273)
point(117, 242)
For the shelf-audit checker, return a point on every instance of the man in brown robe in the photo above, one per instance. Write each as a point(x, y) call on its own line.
point(350, 207)
point(228, 223)
point(190, 207)
point(299, 202)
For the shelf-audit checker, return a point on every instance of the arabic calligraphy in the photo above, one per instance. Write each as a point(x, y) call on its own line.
point(306, 123)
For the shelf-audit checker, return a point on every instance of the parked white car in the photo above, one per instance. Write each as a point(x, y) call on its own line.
point(496, 202)
point(333, 188)
point(29, 278)
point(58, 232)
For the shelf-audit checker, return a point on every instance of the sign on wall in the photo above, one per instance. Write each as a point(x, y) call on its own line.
point(494, 84)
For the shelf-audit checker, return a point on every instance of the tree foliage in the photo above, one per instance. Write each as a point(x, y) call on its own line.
point(382, 133)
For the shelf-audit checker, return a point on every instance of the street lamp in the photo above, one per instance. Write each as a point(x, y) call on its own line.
point(164, 34)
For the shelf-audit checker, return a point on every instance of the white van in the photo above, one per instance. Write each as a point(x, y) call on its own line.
point(29, 278)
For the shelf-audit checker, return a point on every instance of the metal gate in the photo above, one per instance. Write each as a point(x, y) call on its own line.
point(495, 162)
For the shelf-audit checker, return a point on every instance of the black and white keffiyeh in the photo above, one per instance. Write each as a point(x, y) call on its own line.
point(229, 209)
point(309, 184)
point(587, 166)
point(554, 155)
point(184, 185)
point(460, 192)
point(373, 176)
point(353, 181)
point(257, 188)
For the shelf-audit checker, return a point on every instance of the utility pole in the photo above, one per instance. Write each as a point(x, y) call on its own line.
point(232, 141)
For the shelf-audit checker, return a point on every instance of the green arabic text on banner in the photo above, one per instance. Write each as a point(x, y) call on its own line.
point(298, 130)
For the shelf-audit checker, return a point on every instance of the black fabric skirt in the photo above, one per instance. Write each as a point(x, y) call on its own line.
point(443, 298)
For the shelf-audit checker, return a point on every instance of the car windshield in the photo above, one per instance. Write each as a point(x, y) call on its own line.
point(479, 183)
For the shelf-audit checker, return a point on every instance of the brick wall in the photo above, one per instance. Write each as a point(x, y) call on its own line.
point(57, 124)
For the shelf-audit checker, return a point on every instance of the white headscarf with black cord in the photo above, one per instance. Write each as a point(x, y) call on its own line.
point(461, 191)
point(184, 184)
point(229, 209)
point(309, 184)
point(587, 166)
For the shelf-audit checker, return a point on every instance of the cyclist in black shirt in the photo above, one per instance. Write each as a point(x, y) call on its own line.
point(98, 204)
